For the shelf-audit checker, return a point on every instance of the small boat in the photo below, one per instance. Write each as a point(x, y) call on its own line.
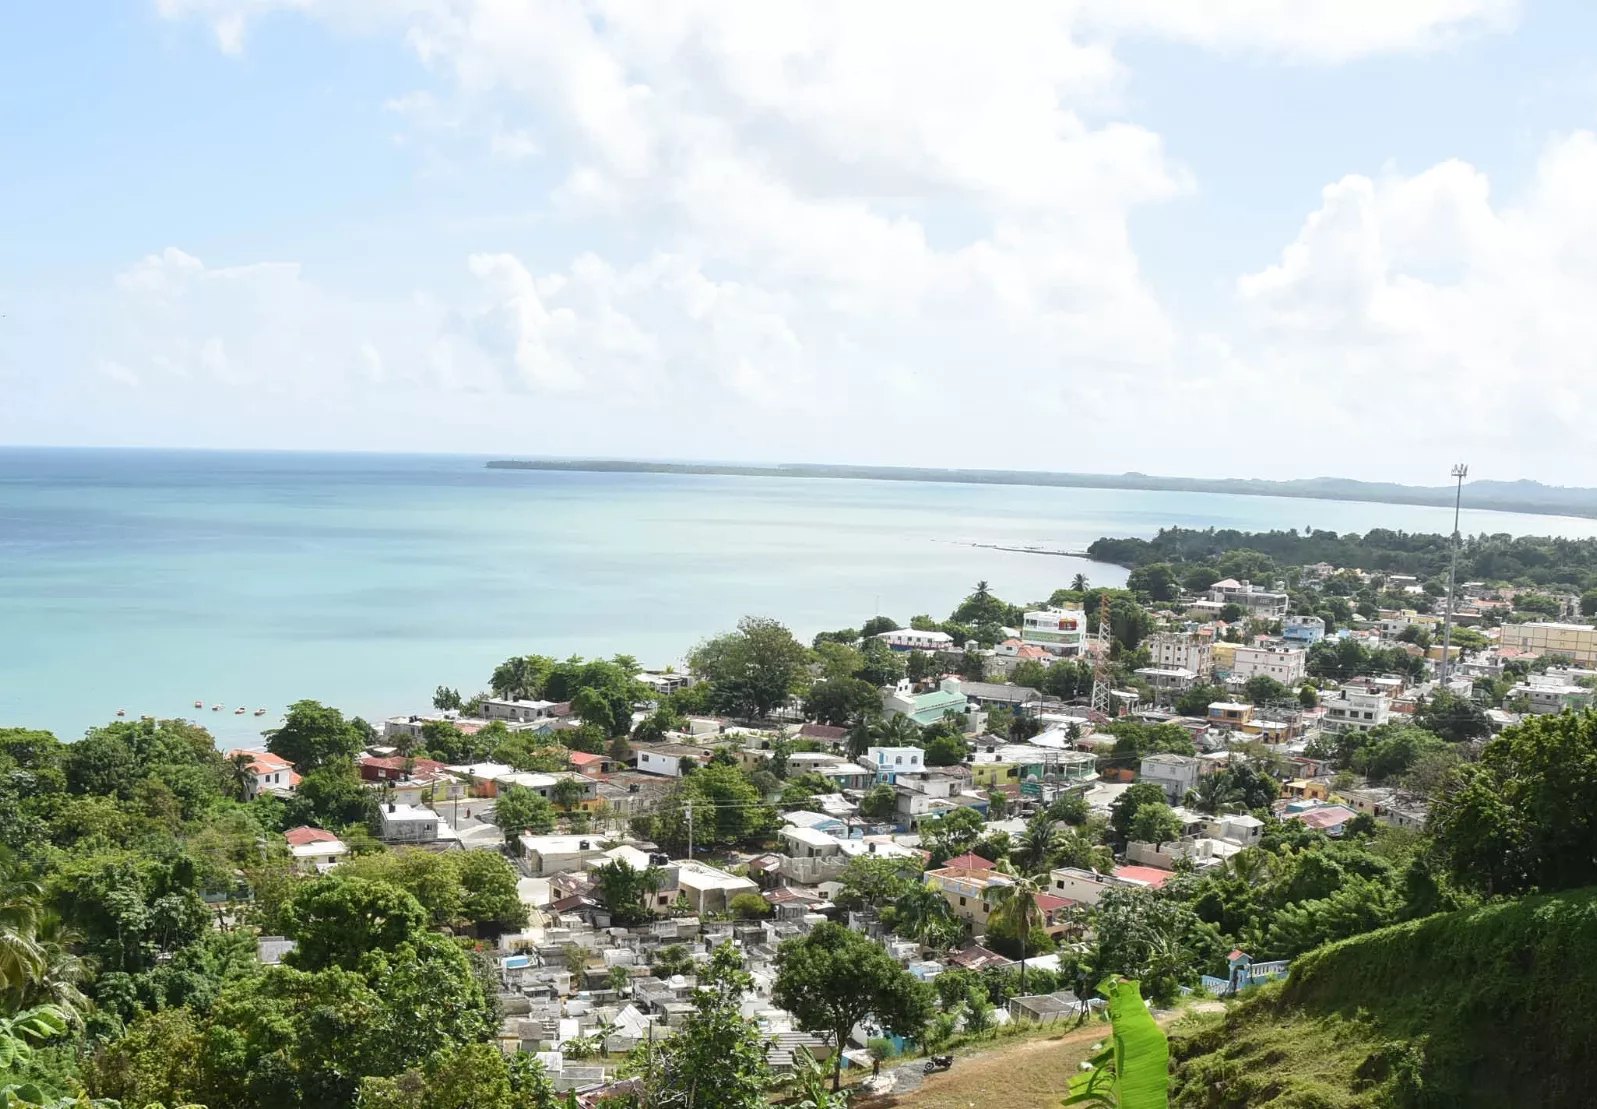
point(260, 712)
point(199, 704)
point(121, 712)
point(239, 711)
point(216, 708)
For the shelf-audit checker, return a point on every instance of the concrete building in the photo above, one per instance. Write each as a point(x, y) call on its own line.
point(999, 693)
point(520, 712)
point(1175, 774)
point(890, 762)
point(314, 849)
point(1250, 598)
point(667, 759)
point(1577, 641)
point(908, 639)
point(1192, 651)
point(1287, 665)
point(1167, 683)
point(269, 774)
point(925, 708)
point(1230, 714)
point(1088, 886)
point(542, 856)
point(1059, 631)
point(1010, 654)
point(1303, 631)
point(1546, 693)
point(708, 889)
point(407, 824)
point(1356, 709)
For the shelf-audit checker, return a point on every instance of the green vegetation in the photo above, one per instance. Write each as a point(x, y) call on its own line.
point(1485, 1007)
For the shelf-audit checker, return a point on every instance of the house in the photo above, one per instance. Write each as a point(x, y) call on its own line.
point(709, 889)
point(999, 693)
point(1175, 774)
point(407, 824)
point(520, 712)
point(1330, 819)
point(1353, 708)
point(1287, 665)
point(909, 639)
point(1087, 886)
point(809, 843)
point(667, 759)
point(314, 849)
point(925, 708)
point(480, 778)
point(1303, 631)
point(970, 894)
point(590, 764)
point(1061, 632)
point(1167, 683)
point(890, 762)
point(1230, 714)
point(268, 773)
point(664, 682)
point(829, 734)
point(1400, 810)
point(1010, 654)
point(1547, 693)
point(542, 856)
point(821, 822)
point(1192, 651)
point(1250, 598)
point(391, 768)
point(975, 957)
point(546, 785)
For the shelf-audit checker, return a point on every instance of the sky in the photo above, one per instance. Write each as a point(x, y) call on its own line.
point(1252, 238)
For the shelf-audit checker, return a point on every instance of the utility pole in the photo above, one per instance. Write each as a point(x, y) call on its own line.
point(690, 831)
point(1460, 472)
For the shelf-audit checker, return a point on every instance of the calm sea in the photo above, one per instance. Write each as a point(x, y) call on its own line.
point(147, 580)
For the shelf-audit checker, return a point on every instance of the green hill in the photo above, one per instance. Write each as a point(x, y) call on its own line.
point(1488, 1007)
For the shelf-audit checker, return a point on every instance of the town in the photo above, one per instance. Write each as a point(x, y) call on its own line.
point(854, 854)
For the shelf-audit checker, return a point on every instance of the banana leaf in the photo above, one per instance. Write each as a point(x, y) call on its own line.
point(1134, 1071)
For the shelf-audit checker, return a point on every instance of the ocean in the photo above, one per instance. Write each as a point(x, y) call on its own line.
point(147, 580)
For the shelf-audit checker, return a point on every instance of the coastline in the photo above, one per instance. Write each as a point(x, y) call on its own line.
point(1556, 501)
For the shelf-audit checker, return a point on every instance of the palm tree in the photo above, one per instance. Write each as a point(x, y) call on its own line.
point(1215, 791)
point(1036, 846)
point(981, 591)
point(22, 958)
point(1016, 902)
point(1250, 864)
point(57, 984)
point(1078, 584)
point(891, 731)
point(239, 775)
point(923, 915)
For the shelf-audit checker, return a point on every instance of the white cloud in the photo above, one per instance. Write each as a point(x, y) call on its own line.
point(1472, 321)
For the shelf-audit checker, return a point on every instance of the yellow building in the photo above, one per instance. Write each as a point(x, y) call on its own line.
point(1578, 641)
point(1300, 789)
point(1225, 655)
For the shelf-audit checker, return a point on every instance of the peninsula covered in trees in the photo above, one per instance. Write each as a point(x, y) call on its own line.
point(1501, 496)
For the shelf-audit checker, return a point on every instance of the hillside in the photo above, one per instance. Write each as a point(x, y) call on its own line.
point(1489, 1007)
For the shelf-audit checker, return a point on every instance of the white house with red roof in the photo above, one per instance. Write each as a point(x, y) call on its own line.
point(1087, 886)
point(271, 774)
point(314, 848)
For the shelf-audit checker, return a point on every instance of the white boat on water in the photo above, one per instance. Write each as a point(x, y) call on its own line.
point(239, 711)
point(121, 712)
point(260, 712)
point(216, 708)
point(199, 704)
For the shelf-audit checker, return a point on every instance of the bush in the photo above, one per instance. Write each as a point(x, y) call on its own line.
point(749, 906)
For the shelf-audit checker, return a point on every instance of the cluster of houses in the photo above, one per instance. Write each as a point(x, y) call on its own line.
point(578, 985)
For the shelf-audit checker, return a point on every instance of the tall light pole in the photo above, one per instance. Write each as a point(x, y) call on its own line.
point(1460, 472)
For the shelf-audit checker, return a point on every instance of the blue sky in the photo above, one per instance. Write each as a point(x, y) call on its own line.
point(1252, 237)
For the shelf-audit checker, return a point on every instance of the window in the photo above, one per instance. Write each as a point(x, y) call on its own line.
point(961, 902)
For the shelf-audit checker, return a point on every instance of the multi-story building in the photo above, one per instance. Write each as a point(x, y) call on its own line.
point(890, 762)
point(1577, 641)
point(1175, 774)
point(1287, 665)
point(1355, 709)
point(1253, 600)
point(1303, 630)
point(1548, 693)
point(926, 708)
point(1059, 631)
point(1167, 682)
point(1182, 651)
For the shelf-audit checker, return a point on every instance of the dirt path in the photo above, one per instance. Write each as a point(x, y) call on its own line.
point(1032, 1074)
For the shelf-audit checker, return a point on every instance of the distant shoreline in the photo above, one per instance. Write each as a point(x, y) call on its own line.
point(1523, 497)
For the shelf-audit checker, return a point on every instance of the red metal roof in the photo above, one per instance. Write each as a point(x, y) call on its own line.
point(1152, 875)
point(303, 835)
point(970, 862)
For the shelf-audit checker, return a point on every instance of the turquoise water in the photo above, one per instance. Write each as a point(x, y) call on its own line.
point(149, 579)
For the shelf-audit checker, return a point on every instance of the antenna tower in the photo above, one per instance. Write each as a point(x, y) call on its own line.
point(1100, 668)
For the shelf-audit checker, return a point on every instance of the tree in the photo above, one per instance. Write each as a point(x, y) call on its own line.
point(1152, 939)
point(1196, 701)
point(518, 809)
point(1215, 791)
point(1015, 903)
point(717, 1060)
point(1157, 580)
point(1124, 808)
point(332, 796)
point(1155, 823)
point(446, 699)
point(951, 834)
point(947, 750)
point(490, 898)
point(890, 731)
point(749, 906)
point(627, 893)
point(835, 978)
point(335, 921)
point(880, 665)
point(1261, 689)
point(566, 793)
point(521, 678)
point(1454, 718)
point(1036, 845)
point(876, 625)
point(312, 734)
point(879, 803)
point(871, 880)
point(754, 669)
point(842, 702)
point(922, 914)
point(672, 959)
point(1071, 808)
point(1308, 696)
point(1078, 584)
point(606, 708)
